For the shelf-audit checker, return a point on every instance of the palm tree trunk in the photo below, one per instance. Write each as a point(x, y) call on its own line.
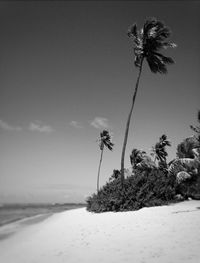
point(128, 124)
point(99, 170)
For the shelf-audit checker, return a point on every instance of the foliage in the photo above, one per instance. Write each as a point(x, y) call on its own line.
point(149, 185)
point(139, 190)
point(115, 175)
point(182, 176)
point(140, 161)
point(185, 148)
point(136, 157)
point(190, 187)
point(146, 164)
point(105, 140)
point(148, 42)
point(159, 150)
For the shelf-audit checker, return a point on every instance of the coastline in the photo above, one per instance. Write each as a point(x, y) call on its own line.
point(10, 213)
point(156, 234)
point(24, 215)
point(10, 228)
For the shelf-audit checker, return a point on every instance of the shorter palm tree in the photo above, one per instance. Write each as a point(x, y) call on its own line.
point(104, 140)
point(159, 150)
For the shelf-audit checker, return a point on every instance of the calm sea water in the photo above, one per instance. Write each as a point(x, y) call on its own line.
point(13, 212)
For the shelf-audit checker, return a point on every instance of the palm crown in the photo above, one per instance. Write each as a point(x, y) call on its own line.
point(159, 149)
point(105, 140)
point(148, 42)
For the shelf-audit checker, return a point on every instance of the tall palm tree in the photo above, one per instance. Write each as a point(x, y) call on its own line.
point(147, 43)
point(159, 150)
point(104, 141)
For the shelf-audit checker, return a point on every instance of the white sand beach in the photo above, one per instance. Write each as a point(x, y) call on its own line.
point(167, 234)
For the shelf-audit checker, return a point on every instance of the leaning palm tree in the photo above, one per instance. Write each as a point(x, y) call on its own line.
point(147, 44)
point(104, 140)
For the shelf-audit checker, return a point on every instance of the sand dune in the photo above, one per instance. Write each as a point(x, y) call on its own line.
point(169, 234)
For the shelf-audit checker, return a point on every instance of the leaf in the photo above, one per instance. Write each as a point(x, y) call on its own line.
point(132, 31)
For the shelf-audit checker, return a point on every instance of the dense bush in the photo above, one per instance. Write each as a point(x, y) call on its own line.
point(185, 148)
point(140, 190)
point(190, 188)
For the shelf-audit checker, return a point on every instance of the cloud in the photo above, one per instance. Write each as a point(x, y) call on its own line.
point(39, 127)
point(99, 123)
point(76, 124)
point(7, 127)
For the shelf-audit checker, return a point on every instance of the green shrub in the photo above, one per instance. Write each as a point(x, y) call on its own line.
point(190, 187)
point(142, 189)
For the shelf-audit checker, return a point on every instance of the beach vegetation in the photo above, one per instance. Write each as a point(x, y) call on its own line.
point(159, 152)
point(144, 189)
point(139, 190)
point(150, 184)
point(141, 161)
point(185, 149)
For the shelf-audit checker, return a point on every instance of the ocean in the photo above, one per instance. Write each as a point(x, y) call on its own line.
point(10, 213)
point(14, 217)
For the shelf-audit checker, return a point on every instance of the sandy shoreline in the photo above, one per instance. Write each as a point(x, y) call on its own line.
point(13, 227)
point(169, 234)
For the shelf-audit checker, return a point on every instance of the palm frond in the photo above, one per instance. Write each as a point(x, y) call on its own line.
point(149, 24)
point(159, 150)
point(109, 145)
point(165, 45)
point(166, 60)
point(195, 129)
point(163, 141)
point(148, 42)
point(162, 33)
point(132, 31)
point(156, 65)
point(163, 137)
point(105, 139)
point(198, 116)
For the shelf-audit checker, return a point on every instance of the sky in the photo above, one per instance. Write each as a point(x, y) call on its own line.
point(67, 72)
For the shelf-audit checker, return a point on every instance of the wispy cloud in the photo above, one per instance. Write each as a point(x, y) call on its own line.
point(39, 127)
point(76, 124)
point(99, 123)
point(7, 127)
